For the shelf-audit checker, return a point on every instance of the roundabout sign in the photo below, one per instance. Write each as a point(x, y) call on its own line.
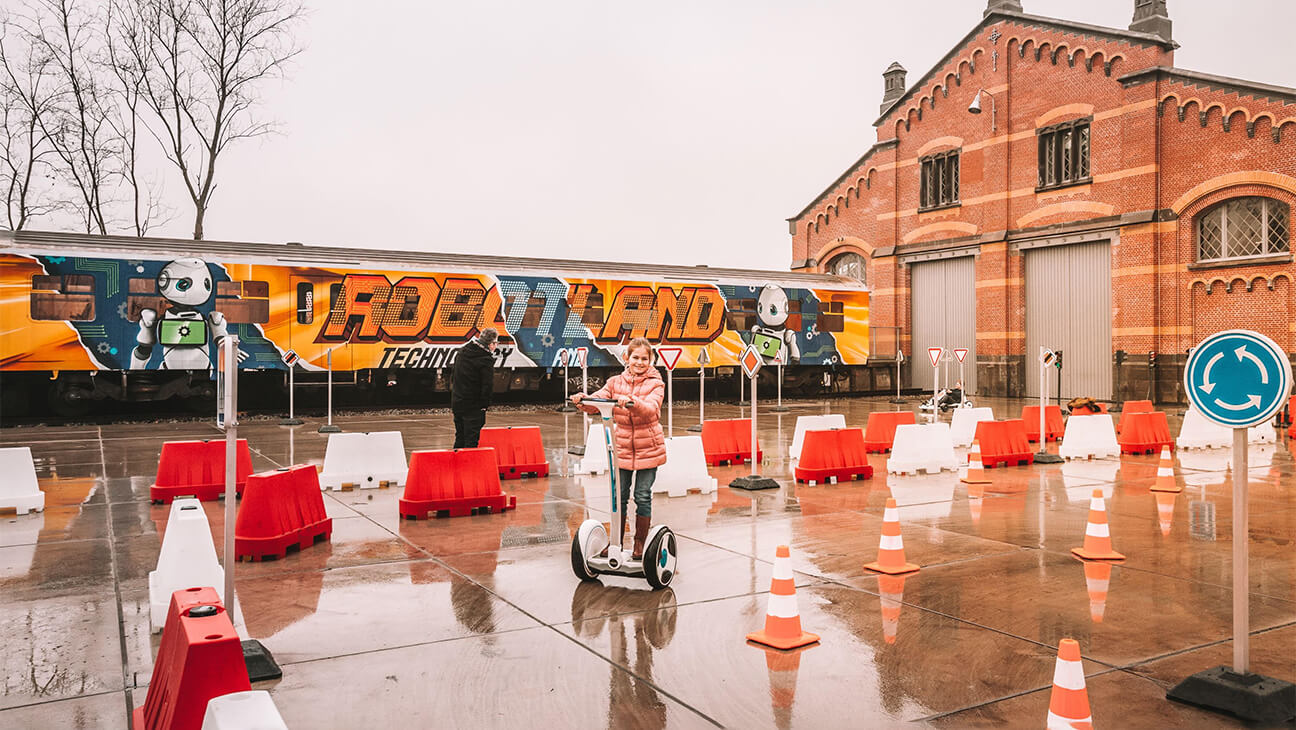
point(1238, 378)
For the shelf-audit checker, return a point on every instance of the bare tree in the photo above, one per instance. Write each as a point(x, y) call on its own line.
point(123, 27)
point(25, 168)
point(202, 63)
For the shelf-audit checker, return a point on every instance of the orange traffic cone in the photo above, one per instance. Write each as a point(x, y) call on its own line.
point(975, 471)
point(1165, 480)
point(783, 667)
point(782, 622)
point(1069, 703)
point(891, 556)
point(1097, 542)
point(976, 501)
point(1165, 511)
point(892, 589)
point(1097, 580)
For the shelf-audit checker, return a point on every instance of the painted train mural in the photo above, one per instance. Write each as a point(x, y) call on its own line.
point(69, 306)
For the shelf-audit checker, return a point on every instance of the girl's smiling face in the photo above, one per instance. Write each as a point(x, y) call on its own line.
point(639, 360)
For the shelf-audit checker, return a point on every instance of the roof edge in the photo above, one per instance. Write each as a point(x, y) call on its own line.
point(880, 145)
point(1285, 93)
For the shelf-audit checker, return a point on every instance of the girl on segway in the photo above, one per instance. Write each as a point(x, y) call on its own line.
point(640, 444)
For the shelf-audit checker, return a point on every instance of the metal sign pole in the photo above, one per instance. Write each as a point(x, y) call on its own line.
point(229, 367)
point(701, 399)
point(564, 358)
point(741, 383)
point(670, 402)
point(935, 391)
point(751, 364)
point(899, 360)
point(754, 450)
point(1044, 457)
point(1241, 557)
point(329, 427)
point(292, 393)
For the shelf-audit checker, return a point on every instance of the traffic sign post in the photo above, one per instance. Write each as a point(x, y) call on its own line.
point(582, 359)
point(1043, 456)
point(670, 357)
point(899, 360)
point(290, 359)
point(751, 362)
point(778, 361)
point(961, 353)
point(564, 359)
point(329, 427)
point(934, 354)
point(1239, 379)
point(704, 359)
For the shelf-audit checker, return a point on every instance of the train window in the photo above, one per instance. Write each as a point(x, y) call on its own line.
point(335, 291)
point(69, 297)
point(305, 302)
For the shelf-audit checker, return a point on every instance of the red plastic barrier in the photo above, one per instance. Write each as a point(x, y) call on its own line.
point(880, 432)
point(1004, 443)
point(833, 454)
point(1145, 433)
point(728, 441)
point(518, 449)
point(197, 469)
point(1053, 424)
point(200, 658)
point(459, 482)
point(282, 512)
point(1133, 406)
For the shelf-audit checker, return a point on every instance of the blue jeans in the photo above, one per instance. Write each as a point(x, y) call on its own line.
point(643, 482)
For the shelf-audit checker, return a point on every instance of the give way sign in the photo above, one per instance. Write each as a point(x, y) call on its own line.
point(935, 354)
point(670, 356)
point(960, 353)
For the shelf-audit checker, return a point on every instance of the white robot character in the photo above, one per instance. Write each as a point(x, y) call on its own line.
point(770, 334)
point(183, 331)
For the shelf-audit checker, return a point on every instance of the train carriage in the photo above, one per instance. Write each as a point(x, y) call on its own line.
point(113, 318)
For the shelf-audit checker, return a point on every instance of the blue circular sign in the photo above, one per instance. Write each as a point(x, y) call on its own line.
point(1238, 378)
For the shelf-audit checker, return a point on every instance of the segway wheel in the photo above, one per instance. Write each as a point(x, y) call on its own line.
point(579, 566)
point(660, 557)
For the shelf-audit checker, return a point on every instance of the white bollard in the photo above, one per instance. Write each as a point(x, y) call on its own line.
point(922, 447)
point(187, 559)
point(964, 422)
point(18, 487)
point(812, 423)
point(685, 468)
point(595, 460)
point(252, 710)
point(364, 460)
point(1089, 436)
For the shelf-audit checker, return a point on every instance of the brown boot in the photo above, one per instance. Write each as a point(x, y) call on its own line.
point(642, 524)
point(604, 554)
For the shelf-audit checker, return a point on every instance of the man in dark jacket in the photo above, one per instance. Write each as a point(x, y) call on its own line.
point(470, 391)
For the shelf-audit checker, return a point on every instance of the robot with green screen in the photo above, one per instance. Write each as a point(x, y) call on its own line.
point(770, 334)
point(183, 331)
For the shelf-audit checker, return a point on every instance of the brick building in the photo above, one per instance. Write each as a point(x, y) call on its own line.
point(1051, 183)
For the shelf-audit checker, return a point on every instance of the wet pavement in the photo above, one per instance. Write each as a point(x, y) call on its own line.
point(479, 622)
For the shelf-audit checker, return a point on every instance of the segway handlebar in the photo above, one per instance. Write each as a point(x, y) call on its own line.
point(604, 400)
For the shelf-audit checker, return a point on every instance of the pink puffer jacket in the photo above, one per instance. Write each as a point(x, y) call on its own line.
point(640, 443)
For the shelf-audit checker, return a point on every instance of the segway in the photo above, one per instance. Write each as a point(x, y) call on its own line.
point(659, 556)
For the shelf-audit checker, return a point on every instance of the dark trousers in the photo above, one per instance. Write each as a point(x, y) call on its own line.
point(468, 425)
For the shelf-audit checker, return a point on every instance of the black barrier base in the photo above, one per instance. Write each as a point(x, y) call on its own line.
point(780, 409)
point(330, 428)
point(576, 451)
point(290, 421)
point(1045, 457)
point(695, 428)
point(260, 663)
point(754, 481)
point(1251, 697)
point(566, 408)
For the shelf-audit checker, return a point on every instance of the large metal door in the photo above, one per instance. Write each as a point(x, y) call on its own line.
point(943, 296)
point(1068, 307)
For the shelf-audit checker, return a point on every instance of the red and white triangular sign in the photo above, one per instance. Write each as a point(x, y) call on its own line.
point(960, 353)
point(935, 354)
point(581, 352)
point(670, 356)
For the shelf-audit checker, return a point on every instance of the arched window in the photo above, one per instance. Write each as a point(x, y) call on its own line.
point(1243, 227)
point(849, 265)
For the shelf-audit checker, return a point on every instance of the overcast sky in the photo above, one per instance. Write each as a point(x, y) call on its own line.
point(673, 132)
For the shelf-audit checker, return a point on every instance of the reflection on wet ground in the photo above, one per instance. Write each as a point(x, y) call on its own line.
point(479, 622)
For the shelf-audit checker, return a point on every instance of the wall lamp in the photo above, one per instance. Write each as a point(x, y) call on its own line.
point(975, 107)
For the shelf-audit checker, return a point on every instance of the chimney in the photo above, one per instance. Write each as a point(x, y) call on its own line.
point(1151, 16)
point(1011, 6)
point(893, 84)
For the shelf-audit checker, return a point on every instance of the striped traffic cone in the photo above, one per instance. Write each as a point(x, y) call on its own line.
point(891, 556)
point(1165, 511)
point(782, 622)
point(1097, 580)
point(1069, 703)
point(975, 472)
point(1165, 480)
point(1097, 542)
point(891, 588)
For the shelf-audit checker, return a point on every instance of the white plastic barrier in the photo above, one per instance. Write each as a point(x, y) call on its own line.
point(685, 468)
point(922, 447)
point(18, 487)
point(595, 460)
point(1265, 433)
point(187, 559)
point(1092, 436)
point(1199, 433)
point(364, 461)
point(813, 423)
point(252, 710)
point(964, 422)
